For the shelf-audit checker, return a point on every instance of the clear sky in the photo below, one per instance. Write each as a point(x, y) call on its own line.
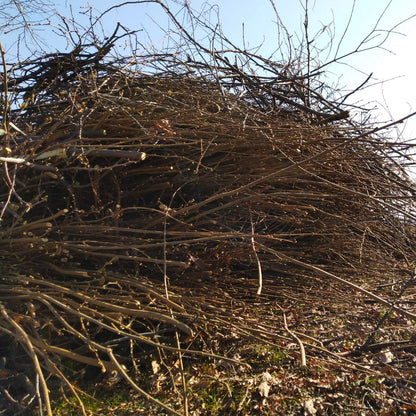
point(254, 21)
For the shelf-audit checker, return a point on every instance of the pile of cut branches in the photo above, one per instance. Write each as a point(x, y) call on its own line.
point(152, 217)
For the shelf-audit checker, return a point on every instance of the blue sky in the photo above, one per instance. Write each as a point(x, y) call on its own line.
point(254, 21)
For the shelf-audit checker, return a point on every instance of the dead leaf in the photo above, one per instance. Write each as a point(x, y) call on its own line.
point(387, 357)
point(309, 408)
point(4, 373)
point(264, 388)
point(155, 367)
point(267, 377)
point(164, 127)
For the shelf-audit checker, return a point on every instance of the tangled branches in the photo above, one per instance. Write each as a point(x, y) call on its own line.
point(145, 210)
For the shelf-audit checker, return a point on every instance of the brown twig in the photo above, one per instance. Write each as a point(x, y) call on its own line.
point(23, 337)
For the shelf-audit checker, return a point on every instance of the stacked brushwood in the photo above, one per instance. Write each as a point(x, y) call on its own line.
point(139, 207)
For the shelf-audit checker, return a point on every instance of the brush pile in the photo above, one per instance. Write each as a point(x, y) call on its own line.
point(148, 219)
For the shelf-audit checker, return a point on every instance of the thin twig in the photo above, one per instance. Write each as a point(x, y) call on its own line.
point(253, 244)
point(6, 103)
point(297, 339)
point(23, 337)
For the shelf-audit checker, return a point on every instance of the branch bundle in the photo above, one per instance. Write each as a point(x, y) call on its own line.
point(147, 199)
